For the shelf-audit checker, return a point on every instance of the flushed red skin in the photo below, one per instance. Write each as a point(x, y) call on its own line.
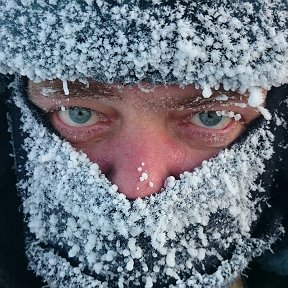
point(146, 129)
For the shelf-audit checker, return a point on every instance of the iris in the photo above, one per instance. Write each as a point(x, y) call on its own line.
point(79, 115)
point(210, 118)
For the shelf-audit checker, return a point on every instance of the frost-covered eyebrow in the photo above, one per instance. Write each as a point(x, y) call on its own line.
point(55, 88)
point(172, 97)
point(192, 101)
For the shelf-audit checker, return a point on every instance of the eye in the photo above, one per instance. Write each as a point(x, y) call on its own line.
point(78, 117)
point(210, 119)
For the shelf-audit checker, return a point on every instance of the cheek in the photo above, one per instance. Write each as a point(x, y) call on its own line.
point(195, 157)
point(99, 152)
point(203, 145)
point(171, 156)
point(180, 152)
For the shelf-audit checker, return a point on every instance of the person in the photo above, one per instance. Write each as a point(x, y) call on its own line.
point(149, 141)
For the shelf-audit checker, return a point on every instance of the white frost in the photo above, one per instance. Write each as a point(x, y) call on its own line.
point(206, 92)
point(256, 97)
point(265, 112)
point(229, 114)
point(143, 177)
point(65, 87)
point(119, 41)
point(108, 233)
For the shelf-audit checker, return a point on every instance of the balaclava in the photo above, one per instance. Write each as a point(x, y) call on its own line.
point(202, 229)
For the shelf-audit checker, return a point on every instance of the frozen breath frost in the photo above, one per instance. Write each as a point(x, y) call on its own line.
point(71, 206)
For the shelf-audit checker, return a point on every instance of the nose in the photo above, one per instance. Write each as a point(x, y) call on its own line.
point(141, 159)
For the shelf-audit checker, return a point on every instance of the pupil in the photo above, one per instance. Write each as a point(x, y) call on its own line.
point(210, 118)
point(79, 115)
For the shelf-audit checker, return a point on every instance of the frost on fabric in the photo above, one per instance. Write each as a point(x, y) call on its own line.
point(70, 206)
point(239, 44)
point(256, 99)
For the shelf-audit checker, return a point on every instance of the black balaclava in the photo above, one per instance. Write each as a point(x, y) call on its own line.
point(203, 228)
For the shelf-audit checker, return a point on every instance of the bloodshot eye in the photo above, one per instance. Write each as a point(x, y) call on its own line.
point(210, 119)
point(78, 117)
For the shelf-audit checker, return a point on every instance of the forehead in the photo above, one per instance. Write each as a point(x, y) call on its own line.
point(161, 94)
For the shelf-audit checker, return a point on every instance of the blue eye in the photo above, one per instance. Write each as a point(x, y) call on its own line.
point(210, 118)
point(79, 115)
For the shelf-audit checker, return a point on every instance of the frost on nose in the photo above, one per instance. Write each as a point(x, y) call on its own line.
point(144, 176)
point(141, 160)
point(139, 181)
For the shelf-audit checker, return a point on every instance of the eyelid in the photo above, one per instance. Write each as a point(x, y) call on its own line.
point(224, 112)
point(82, 133)
point(208, 104)
point(51, 104)
point(65, 108)
point(240, 114)
point(62, 112)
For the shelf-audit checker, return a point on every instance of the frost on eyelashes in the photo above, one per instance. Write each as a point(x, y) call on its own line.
point(229, 114)
point(71, 206)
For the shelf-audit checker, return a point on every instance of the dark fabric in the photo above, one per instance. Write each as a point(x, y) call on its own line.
point(256, 276)
point(261, 278)
point(13, 266)
point(10, 221)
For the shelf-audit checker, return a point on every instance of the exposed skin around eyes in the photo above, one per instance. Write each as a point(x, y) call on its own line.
point(141, 134)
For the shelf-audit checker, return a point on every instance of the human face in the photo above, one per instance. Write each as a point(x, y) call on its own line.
point(141, 134)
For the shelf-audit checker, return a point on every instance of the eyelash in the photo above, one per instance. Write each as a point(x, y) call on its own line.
point(221, 123)
point(197, 135)
point(94, 117)
point(81, 133)
point(186, 128)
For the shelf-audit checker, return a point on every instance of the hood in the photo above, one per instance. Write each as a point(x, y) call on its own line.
point(237, 44)
point(203, 228)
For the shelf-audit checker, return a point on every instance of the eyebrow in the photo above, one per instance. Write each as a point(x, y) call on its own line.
point(98, 91)
point(75, 90)
point(193, 101)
